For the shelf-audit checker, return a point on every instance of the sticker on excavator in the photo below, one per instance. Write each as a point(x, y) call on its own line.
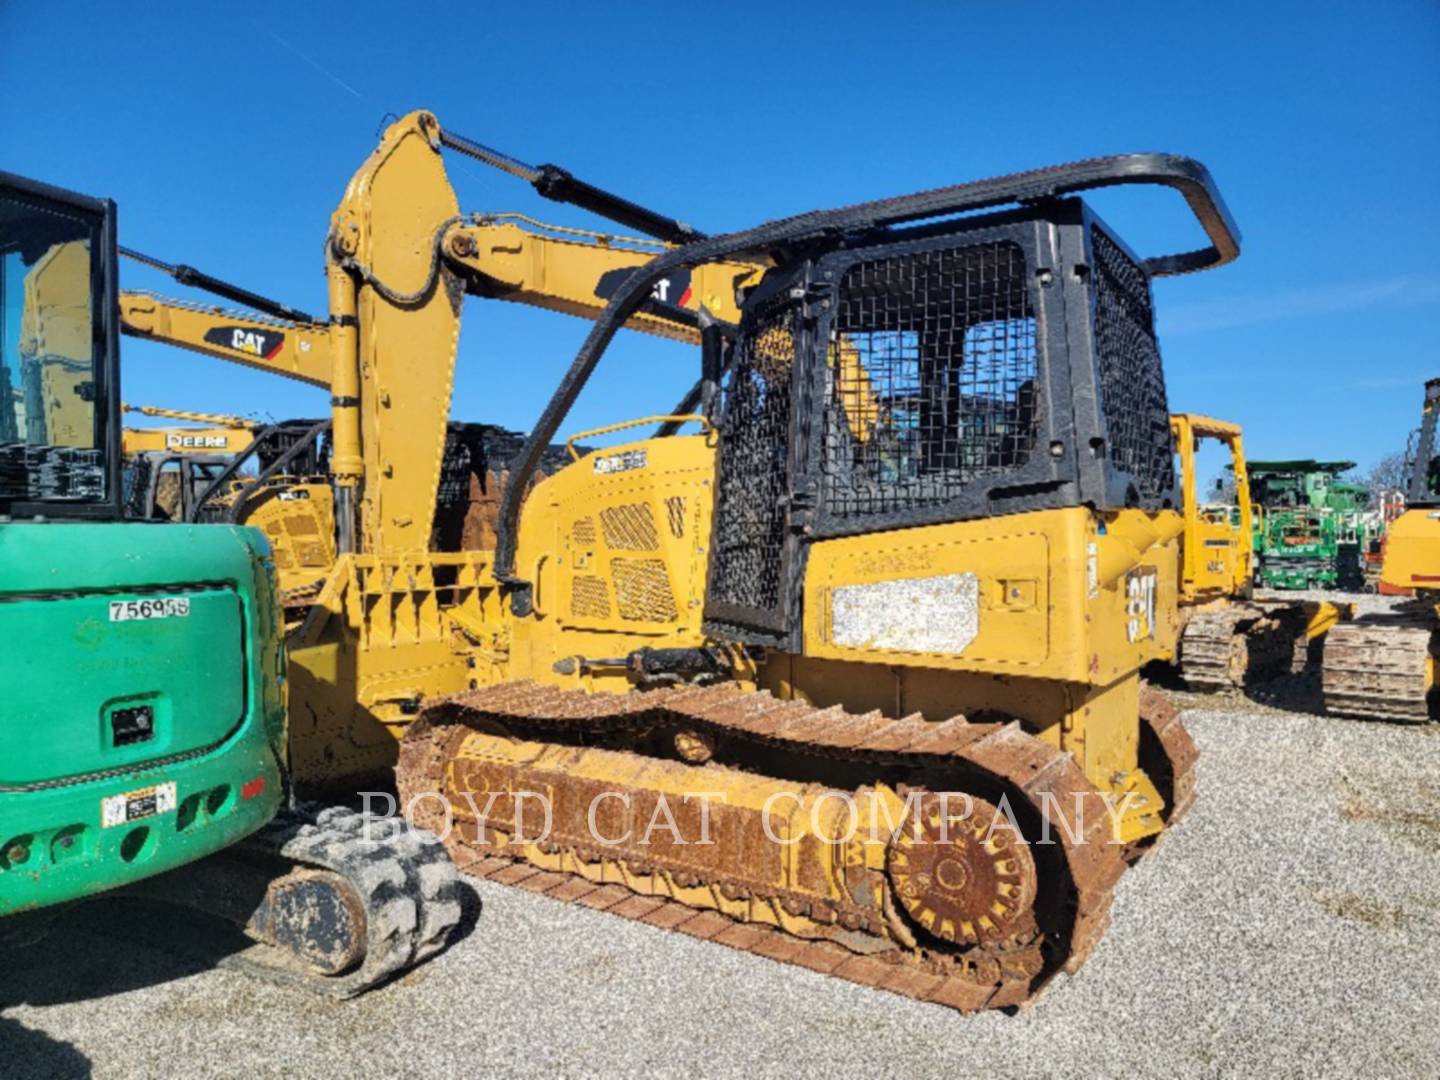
point(916, 615)
point(165, 607)
point(262, 343)
point(621, 462)
point(1140, 604)
point(136, 805)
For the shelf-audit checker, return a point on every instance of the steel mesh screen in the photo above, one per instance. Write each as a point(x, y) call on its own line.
point(746, 562)
point(932, 378)
point(1132, 382)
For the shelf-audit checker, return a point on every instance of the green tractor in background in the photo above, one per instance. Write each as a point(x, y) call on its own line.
point(143, 729)
point(1312, 529)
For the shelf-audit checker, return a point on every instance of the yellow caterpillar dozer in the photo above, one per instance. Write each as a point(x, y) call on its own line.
point(1383, 666)
point(1227, 637)
point(907, 571)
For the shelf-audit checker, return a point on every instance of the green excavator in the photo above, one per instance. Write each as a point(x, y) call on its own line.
point(143, 726)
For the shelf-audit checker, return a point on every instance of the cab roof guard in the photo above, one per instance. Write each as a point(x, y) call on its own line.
point(1185, 175)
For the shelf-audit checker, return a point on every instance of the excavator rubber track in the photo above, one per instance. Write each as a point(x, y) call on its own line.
point(333, 902)
point(713, 893)
point(1378, 668)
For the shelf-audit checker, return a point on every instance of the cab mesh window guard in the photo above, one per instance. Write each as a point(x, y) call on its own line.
point(1132, 383)
point(750, 515)
point(932, 378)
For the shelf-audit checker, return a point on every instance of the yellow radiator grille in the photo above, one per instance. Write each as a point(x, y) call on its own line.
point(589, 597)
point(642, 588)
point(630, 527)
point(675, 508)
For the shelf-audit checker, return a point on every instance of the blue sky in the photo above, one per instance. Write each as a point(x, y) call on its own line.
point(226, 133)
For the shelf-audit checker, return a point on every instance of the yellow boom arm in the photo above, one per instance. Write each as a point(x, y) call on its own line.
point(296, 351)
point(217, 434)
point(400, 258)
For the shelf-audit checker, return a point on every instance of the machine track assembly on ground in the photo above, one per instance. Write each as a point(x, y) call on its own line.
point(1383, 666)
point(333, 901)
point(992, 915)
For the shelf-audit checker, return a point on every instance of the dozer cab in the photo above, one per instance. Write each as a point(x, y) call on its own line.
point(1227, 637)
point(144, 726)
point(1383, 666)
point(917, 552)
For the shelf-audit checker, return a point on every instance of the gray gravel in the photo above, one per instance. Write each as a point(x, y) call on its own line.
point(1365, 603)
point(1288, 926)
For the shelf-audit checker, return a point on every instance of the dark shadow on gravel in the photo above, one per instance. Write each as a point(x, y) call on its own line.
point(27, 1053)
point(117, 944)
point(1295, 693)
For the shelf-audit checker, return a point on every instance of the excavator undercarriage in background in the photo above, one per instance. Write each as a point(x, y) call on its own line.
point(918, 551)
point(1227, 636)
point(1383, 666)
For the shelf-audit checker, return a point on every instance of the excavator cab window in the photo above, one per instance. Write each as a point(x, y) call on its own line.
point(57, 408)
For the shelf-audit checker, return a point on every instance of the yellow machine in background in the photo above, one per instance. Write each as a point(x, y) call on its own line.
point(1227, 637)
point(205, 433)
point(1383, 666)
point(54, 401)
point(1218, 553)
point(501, 256)
point(194, 473)
point(919, 547)
point(167, 468)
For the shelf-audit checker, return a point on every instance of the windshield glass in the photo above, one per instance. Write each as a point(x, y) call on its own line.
point(48, 355)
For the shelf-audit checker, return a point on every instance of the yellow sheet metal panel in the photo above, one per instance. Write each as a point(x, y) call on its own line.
point(617, 545)
point(1055, 594)
point(1412, 551)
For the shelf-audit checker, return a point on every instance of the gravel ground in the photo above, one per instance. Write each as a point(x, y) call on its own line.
point(1365, 603)
point(1288, 926)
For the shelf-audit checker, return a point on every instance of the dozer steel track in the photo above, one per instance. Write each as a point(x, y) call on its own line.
point(332, 906)
point(1379, 667)
point(1222, 649)
point(966, 920)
